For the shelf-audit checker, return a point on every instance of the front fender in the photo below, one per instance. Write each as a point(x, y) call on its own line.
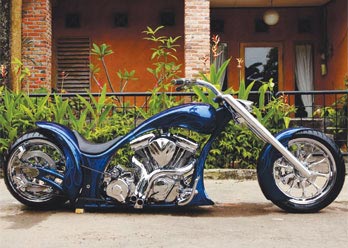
point(66, 140)
point(266, 159)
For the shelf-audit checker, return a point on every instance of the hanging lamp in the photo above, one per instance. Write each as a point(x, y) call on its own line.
point(271, 16)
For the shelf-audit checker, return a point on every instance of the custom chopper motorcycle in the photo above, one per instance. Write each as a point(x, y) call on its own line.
point(299, 170)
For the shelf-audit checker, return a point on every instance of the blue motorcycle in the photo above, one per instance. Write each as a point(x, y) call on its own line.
point(299, 170)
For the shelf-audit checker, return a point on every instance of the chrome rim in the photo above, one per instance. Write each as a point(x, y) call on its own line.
point(318, 159)
point(22, 170)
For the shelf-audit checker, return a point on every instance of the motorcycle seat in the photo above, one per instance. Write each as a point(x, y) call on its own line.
point(88, 147)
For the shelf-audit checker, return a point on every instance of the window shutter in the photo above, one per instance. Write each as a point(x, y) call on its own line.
point(73, 59)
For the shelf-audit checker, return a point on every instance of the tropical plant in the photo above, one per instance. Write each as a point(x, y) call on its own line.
point(94, 71)
point(125, 77)
point(164, 54)
point(117, 124)
point(35, 110)
point(60, 109)
point(13, 117)
point(22, 72)
point(236, 147)
point(164, 70)
point(158, 102)
point(95, 120)
point(336, 118)
point(275, 115)
point(101, 52)
point(213, 76)
point(98, 109)
point(243, 91)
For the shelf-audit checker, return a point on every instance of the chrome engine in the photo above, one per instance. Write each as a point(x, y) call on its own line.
point(161, 172)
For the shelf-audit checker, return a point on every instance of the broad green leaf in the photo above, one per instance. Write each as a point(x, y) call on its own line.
point(221, 70)
point(200, 94)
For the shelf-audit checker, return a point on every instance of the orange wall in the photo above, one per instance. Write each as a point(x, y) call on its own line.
point(131, 51)
point(337, 36)
point(239, 28)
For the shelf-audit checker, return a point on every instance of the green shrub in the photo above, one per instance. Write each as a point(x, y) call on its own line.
point(19, 112)
point(238, 147)
point(15, 116)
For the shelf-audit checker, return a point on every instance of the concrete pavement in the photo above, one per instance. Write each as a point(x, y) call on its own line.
point(242, 217)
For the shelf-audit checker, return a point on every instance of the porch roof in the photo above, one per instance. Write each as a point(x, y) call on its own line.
point(266, 3)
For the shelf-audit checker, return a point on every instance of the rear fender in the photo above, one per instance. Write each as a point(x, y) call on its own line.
point(267, 157)
point(66, 140)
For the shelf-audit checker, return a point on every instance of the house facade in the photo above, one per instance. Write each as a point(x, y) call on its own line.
point(53, 39)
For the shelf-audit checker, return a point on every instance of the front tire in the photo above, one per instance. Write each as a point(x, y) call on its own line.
point(285, 187)
point(29, 158)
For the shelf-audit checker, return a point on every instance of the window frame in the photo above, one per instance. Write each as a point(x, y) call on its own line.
point(278, 45)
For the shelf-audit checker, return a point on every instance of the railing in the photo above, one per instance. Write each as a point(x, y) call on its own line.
point(335, 123)
point(126, 101)
point(328, 112)
point(135, 99)
point(139, 99)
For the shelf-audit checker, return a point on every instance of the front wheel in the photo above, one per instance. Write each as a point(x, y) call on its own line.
point(283, 184)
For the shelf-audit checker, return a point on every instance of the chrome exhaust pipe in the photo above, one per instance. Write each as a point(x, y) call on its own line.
point(185, 201)
point(133, 199)
point(139, 204)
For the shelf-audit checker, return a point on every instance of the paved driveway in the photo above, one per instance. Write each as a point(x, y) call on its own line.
point(241, 218)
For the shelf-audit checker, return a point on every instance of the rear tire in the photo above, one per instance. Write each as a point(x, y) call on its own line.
point(285, 187)
point(21, 174)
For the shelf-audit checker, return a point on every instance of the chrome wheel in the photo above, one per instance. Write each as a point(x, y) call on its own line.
point(318, 159)
point(33, 167)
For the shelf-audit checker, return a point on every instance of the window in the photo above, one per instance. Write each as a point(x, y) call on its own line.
point(120, 20)
point(167, 18)
point(73, 64)
point(263, 61)
point(72, 20)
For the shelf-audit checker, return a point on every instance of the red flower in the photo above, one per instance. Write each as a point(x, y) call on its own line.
point(3, 71)
point(215, 48)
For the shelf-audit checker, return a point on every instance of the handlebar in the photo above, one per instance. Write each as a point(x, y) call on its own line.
point(180, 81)
point(183, 83)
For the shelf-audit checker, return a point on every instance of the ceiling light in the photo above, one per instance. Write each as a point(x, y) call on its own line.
point(271, 16)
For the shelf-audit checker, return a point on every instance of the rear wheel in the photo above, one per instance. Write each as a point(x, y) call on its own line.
point(300, 194)
point(34, 171)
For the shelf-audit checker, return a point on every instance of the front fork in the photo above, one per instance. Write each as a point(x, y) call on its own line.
point(265, 135)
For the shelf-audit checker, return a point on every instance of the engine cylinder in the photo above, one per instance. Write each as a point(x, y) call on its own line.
point(164, 151)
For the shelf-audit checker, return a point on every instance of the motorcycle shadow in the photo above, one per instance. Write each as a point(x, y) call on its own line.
point(26, 218)
point(217, 210)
